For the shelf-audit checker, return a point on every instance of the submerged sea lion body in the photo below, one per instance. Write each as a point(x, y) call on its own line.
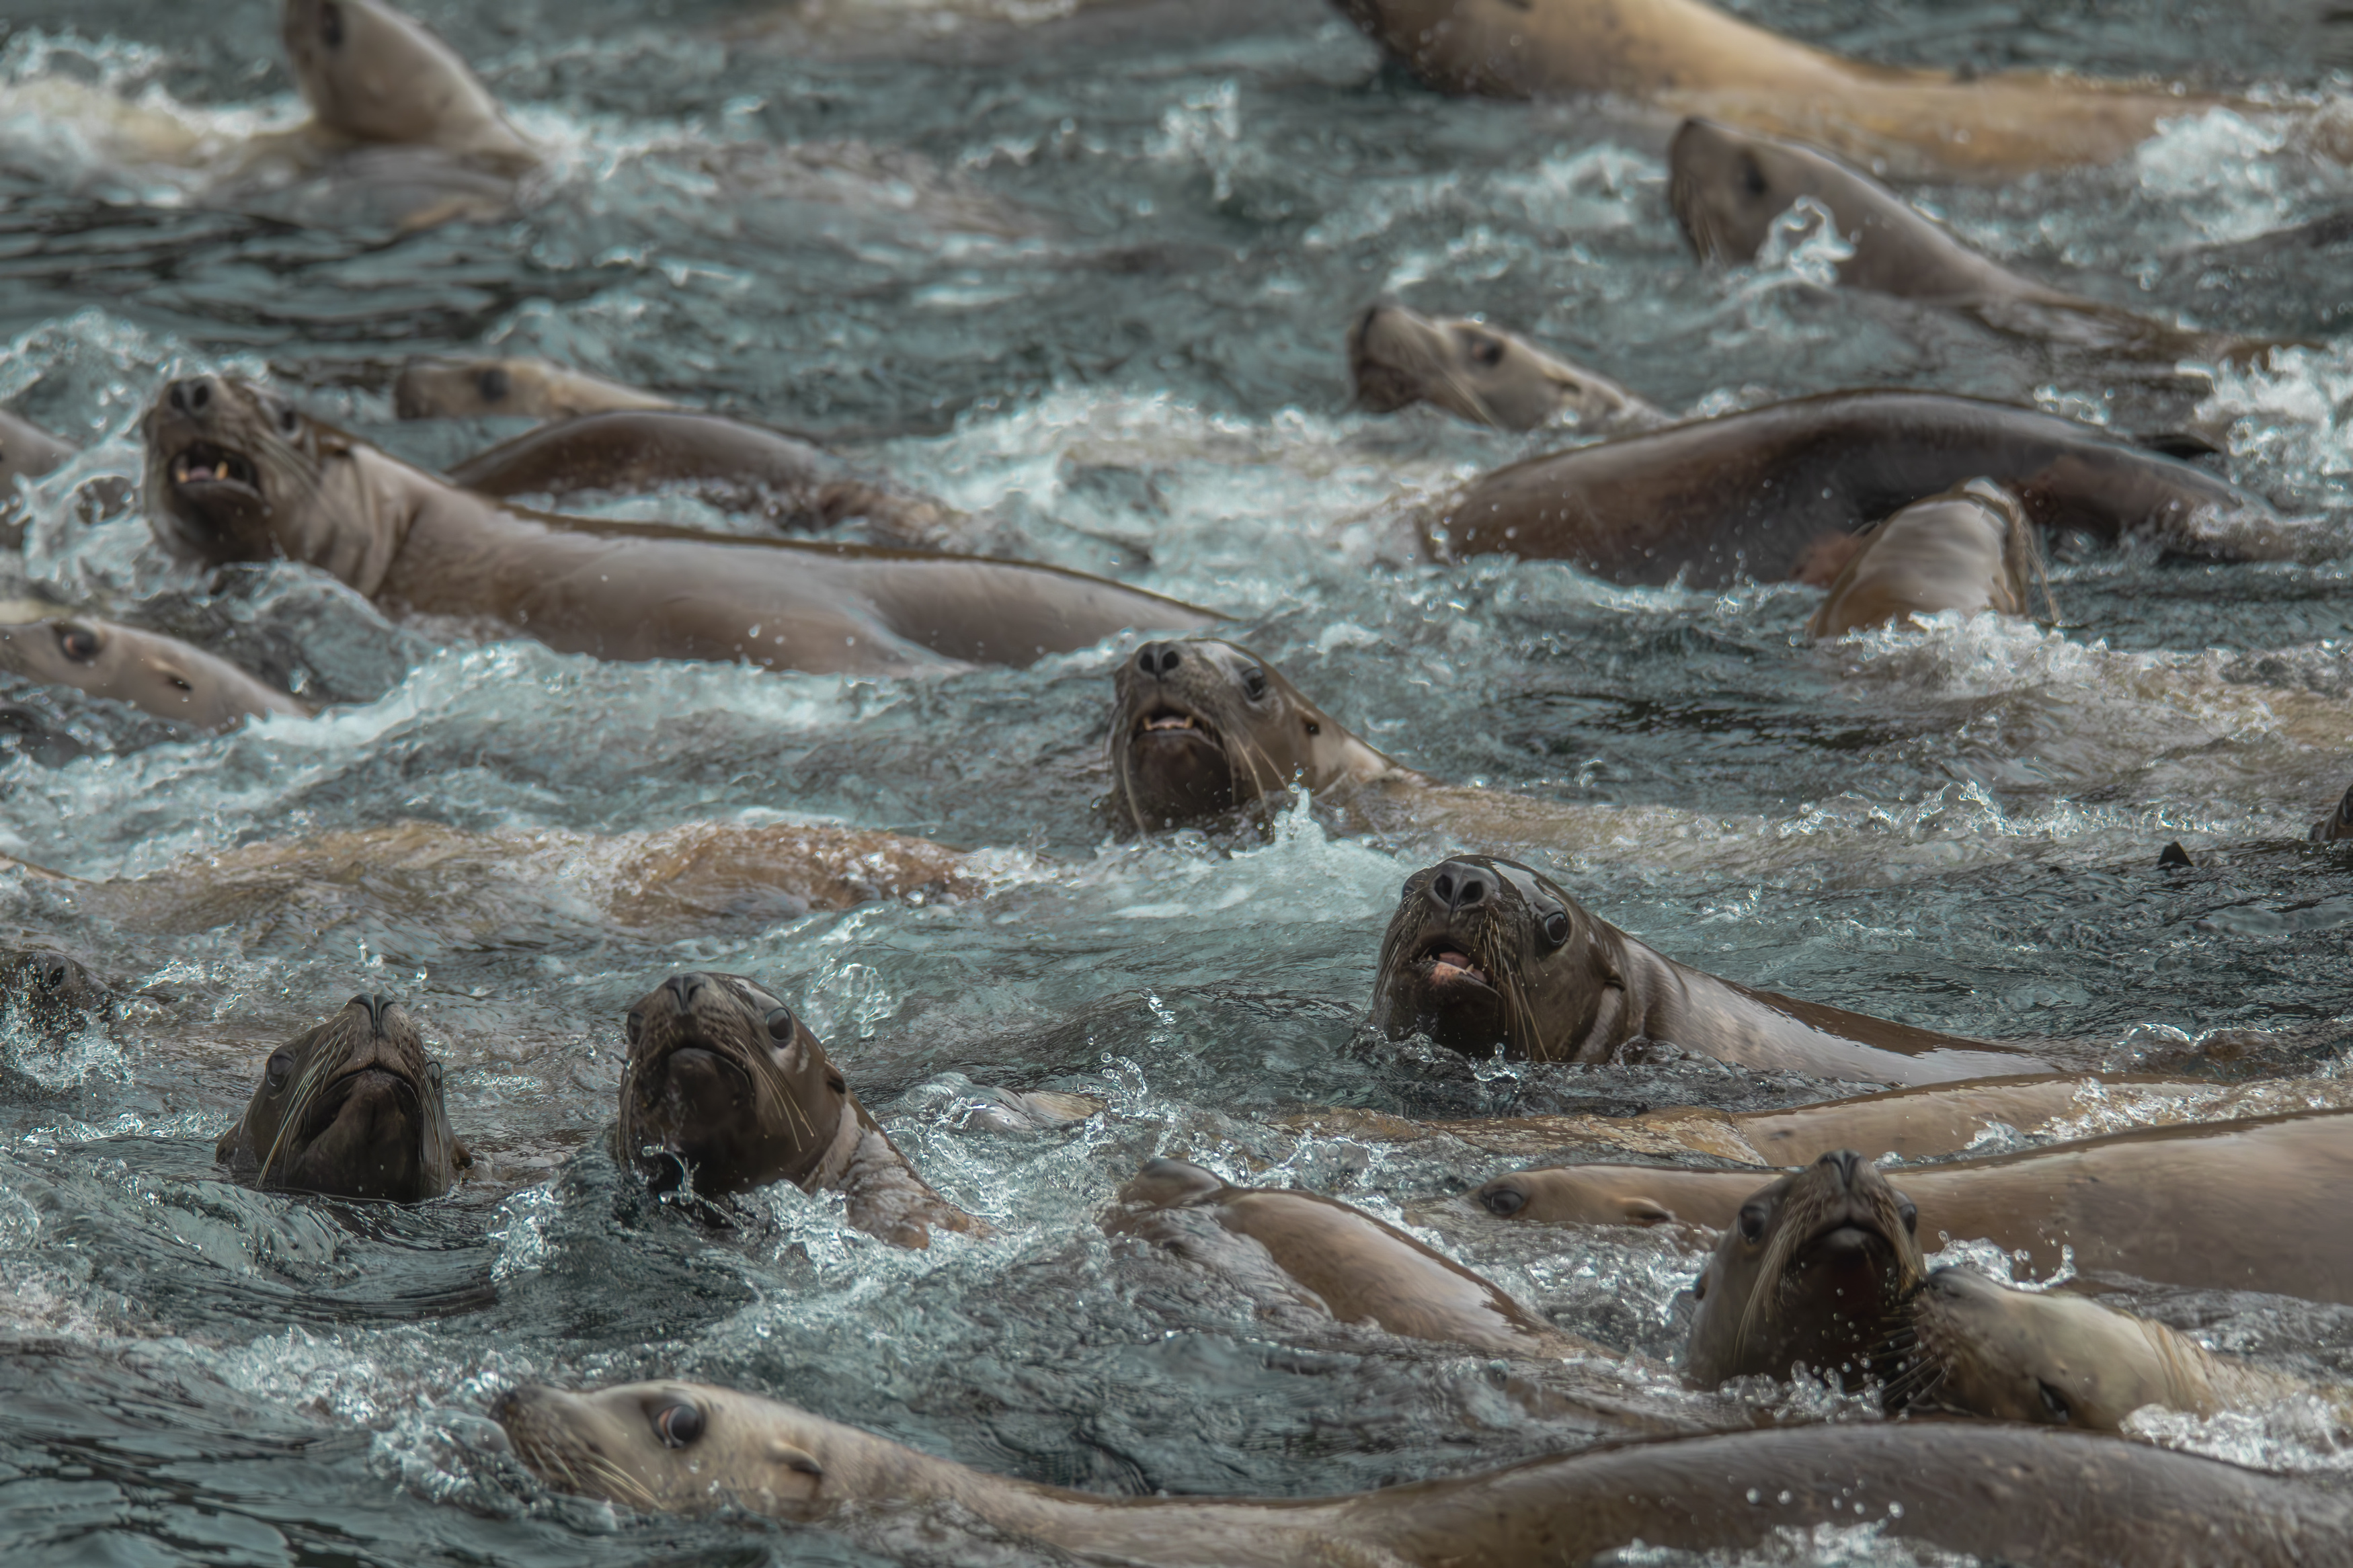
point(1969, 550)
point(1692, 60)
point(727, 1090)
point(435, 388)
point(1397, 357)
point(153, 673)
point(1751, 494)
point(48, 993)
point(352, 1109)
point(1729, 188)
point(1806, 1274)
point(236, 474)
point(1971, 1346)
point(2226, 1205)
point(1485, 952)
point(2058, 1500)
point(739, 467)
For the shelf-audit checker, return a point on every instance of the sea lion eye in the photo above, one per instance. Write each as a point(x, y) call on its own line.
point(288, 418)
point(280, 1069)
point(1752, 1226)
point(1909, 1212)
point(1487, 351)
point(679, 1424)
point(780, 1023)
point(1254, 682)
point(1752, 175)
point(1556, 927)
point(2054, 1404)
point(79, 644)
point(634, 1024)
point(1505, 1200)
point(1313, 728)
point(492, 384)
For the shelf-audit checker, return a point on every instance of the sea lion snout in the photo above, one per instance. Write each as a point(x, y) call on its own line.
point(1457, 886)
point(1158, 659)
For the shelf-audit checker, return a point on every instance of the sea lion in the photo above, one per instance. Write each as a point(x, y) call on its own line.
point(236, 473)
point(2337, 823)
point(1750, 494)
point(153, 673)
point(48, 993)
point(1347, 1263)
point(2225, 1205)
point(1397, 357)
point(726, 1091)
point(435, 388)
point(26, 452)
point(1969, 550)
point(352, 1109)
point(1729, 188)
point(1691, 58)
point(731, 465)
point(1967, 1345)
point(373, 75)
point(1485, 952)
point(2061, 1499)
point(1807, 1274)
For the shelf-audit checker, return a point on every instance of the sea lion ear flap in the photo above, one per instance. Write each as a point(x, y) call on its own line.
point(795, 1458)
point(1648, 1211)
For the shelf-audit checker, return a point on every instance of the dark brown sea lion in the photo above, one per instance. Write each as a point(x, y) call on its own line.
point(1484, 952)
point(1397, 357)
point(1691, 58)
point(1967, 1345)
point(352, 1109)
point(1729, 187)
point(2337, 823)
point(1751, 494)
point(47, 993)
point(2057, 1499)
point(1969, 550)
point(740, 467)
point(1349, 1264)
point(235, 473)
point(156, 674)
point(433, 388)
point(2223, 1205)
point(1808, 1272)
point(727, 1090)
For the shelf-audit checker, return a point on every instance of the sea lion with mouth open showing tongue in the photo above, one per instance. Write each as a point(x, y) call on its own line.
point(726, 1091)
point(352, 1110)
point(236, 473)
point(1485, 953)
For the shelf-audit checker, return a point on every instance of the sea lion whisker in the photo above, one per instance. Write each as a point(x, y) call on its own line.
point(306, 1091)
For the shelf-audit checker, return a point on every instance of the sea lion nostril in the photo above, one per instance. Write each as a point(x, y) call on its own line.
point(191, 394)
point(1158, 659)
point(683, 987)
point(1844, 1162)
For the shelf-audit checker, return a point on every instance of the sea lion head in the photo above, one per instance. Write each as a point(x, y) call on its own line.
point(236, 472)
point(1728, 187)
point(372, 74)
point(1200, 728)
point(1484, 950)
point(1967, 1345)
point(430, 388)
point(49, 993)
point(352, 1109)
point(1397, 357)
point(1809, 1272)
point(727, 1090)
point(155, 674)
point(688, 1448)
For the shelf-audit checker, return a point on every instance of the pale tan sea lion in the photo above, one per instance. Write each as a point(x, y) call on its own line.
point(424, 883)
point(1970, 550)
point(352, 1109)
point(2226, 1205)
point(1753, 494)
point(2058, 1500)
point(1808, 1272)
point(153, 673)
point(730, 464)
point(1729, 187)
point(1971, 1346)
point(1485, 951)
point(727, 1090)
point(1397, 357)
point(235, 473)
point(1691, 58)
point(429, 387)
point(373, 75)
point(1349, 1264)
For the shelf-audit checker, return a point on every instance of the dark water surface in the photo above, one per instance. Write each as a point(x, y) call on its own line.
point(1088, 274)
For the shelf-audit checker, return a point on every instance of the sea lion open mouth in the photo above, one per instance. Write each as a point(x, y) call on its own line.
point(1172, 723)
point(1444, 961)
point(203, 464)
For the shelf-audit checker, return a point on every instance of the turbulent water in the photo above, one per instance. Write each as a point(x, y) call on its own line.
point(1087, 274)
